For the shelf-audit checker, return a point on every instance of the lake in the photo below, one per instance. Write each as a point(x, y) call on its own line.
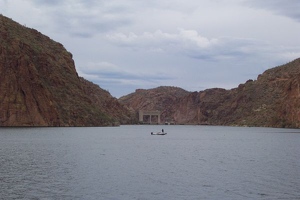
point(127, 162)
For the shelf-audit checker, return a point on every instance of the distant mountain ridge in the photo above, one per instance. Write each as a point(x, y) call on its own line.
point(273, 100)
point(40, 86)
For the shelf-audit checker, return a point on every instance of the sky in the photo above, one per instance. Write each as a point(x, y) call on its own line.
point(124, 45)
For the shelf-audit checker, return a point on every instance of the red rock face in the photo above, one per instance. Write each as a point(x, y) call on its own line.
point(273, 100)
point(163, 99)
point(287, 81)
point(40, 87)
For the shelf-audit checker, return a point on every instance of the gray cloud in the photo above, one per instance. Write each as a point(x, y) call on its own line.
point(189, 43)
point(48, 3)
point(290, 8)
point(82, 18)
point(121, 81)
point(104, 71)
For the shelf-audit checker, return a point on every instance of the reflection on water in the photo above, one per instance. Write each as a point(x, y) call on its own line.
point(191, 162)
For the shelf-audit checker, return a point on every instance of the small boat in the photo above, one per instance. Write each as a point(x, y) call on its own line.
point(158, 133)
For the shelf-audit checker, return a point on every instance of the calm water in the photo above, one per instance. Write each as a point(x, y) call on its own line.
point(190, 162)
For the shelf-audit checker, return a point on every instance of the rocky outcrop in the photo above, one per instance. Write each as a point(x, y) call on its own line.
point(162, 98)
point(273, 100)
point(40, 86)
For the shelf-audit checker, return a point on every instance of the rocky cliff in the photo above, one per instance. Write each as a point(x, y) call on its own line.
point(40, 86)
point(162, 98)
point(273, 100)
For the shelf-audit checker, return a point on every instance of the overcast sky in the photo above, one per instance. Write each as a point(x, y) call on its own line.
point(123, 45)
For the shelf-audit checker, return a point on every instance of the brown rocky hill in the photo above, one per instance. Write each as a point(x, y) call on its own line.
point(39, 85)
point(175, 104)
point(273, 100)
point(162, 98)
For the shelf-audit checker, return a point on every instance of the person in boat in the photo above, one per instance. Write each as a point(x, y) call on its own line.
point(162, 130)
